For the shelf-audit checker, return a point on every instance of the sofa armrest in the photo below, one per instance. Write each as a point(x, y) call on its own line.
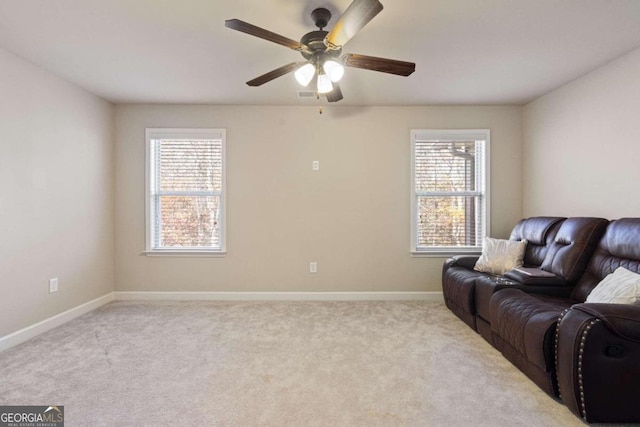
point(526, 279)
point(597, 353)
point(465, 261)
point(622, 319)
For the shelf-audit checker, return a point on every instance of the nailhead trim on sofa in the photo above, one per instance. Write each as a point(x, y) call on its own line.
point(556, 344)
point(583, 339)
point(580, 353)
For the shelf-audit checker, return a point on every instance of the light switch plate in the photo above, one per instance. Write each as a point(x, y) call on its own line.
point(53, 285)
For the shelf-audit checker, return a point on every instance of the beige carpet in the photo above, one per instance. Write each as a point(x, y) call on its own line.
point(273, 364)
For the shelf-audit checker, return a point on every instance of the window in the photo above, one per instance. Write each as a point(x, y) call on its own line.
point(449, 191)
point(185, 191)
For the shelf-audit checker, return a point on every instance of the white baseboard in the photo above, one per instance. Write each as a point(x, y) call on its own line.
point(279, 296)
point(29, 332)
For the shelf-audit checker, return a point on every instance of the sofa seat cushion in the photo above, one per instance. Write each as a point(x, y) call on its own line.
point(485, 287)
point(527, 324)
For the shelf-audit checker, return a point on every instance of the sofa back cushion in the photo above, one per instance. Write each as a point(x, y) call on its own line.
point(539, 232)
point(619, 247)
point(573, 246)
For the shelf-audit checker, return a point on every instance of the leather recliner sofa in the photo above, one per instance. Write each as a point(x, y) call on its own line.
point(561, 246)
point(586, 354)
point(459, 277)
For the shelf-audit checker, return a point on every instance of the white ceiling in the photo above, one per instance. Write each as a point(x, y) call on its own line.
point(179, 51)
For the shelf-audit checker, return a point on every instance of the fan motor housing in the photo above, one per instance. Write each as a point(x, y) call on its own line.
point(315, 42)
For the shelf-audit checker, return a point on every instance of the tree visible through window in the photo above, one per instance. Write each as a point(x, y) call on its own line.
point(185, 190)
point(449, 190)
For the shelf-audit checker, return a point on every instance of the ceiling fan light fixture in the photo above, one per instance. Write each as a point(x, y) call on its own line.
point(334, 70)
point(305, 74)
point(324, 84)
point(322, 50)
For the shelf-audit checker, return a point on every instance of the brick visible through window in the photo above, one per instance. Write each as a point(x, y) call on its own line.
point(185, 189)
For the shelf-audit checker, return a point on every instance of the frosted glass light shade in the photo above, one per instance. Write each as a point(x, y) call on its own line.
point(305, 74)
point(324, 84)
point(334, 70)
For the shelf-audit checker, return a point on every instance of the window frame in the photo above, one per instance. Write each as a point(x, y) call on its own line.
point(423, 135)
point(152, 134)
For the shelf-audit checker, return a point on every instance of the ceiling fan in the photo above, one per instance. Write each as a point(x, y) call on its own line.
point(322, 50)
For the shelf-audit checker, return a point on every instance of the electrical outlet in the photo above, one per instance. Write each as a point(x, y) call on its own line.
point(315, 165)
point(53, 285)
point(313, 267)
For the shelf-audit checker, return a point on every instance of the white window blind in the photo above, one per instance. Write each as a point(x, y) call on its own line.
point(449, 190)
point(185, 190)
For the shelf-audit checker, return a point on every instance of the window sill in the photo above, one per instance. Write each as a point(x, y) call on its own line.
point(185, 254)
point(442, 254)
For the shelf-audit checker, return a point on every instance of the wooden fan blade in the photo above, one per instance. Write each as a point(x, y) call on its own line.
point(245, 27)
point(391, 66)
point(336, 94)
point(357, 15)
point(258, 81)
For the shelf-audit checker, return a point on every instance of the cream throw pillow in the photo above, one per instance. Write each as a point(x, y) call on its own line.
point(499, 256)
point(620, 287)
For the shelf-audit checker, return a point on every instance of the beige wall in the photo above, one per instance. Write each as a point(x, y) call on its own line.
point(571, 152)
point(56, 194)
point(352, 216)
point(582, 145)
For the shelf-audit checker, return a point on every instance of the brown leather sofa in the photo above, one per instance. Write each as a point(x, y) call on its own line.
point(558, 245)
point(459, 278)
point(586, 354)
